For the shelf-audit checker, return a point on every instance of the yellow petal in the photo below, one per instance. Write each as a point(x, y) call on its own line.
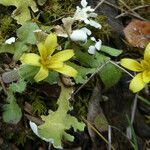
point(67, 70)
point(50, 43)
point(145, 64)
point(30, 59)
point(42, 50)
point(63, 55)
point(147, 52)
point(55, 64)
point(146, 76)
point(137, 83)
point(131, 64)
point(41, 75)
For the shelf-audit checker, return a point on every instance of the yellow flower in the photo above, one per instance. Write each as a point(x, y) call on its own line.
point(143, 69)
point(46, 61)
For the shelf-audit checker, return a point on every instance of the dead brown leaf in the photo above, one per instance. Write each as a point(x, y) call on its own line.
point(138, 33)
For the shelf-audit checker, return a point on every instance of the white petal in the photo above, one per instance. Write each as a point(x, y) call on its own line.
point(38, 30)
point(10, 40)
point(98, 45)
point(87, 31)
point(93, 39)
point(89, 9)
point(93, 15)
point(86, 21)
point(34, 128)
point(91, 49)
point(84, 3)
point(36, 10)
point(95, 24)
point(78, 35)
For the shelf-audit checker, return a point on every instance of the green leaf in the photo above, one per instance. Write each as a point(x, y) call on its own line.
point(88, 60)
point(22, 12)
point(26, 33)
point(52, 77)
point(26, 37)
point(11, 111)
point(19, 87)
point(20, 48)
point(111, 51)
point(28, 72)
point(7, 48)
point(56, 123)
point(82, 73)
point(110, 75)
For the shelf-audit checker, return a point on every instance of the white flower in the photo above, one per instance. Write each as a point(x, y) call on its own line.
point(83, 14)
point(91, 49)
point(97, 46)
point(87, 31)
point(10, 40)
point(84, 3)
point(95, 24)
point(80, 34)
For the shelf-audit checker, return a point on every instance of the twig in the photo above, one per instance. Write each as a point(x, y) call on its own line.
point(93, 128)
point(139, 7)
point(110, 4)
point(134, 108)
point(109, 137)
point(129, 128)
point(121, 133)
point(100, 3)
point(126, 13)
point(97, 70)
point(49, 146)
point(134, 13)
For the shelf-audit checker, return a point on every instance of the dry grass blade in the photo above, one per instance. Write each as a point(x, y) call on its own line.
point(126, 13)
point(98, 133)
point(100, 3)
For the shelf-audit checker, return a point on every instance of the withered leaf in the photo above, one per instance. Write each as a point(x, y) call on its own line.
point(138, 33)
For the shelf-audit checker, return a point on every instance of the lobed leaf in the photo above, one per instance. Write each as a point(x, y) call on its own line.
point(22, 12)
point(56, 123)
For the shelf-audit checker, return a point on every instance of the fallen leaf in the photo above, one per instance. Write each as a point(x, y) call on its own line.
point(66, 29)
point(96, 116)
point(60, 31)
point(138, 33)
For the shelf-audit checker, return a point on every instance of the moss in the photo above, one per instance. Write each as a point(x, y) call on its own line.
point(39, 107)
point(81, 105)
point(22, 136)
point(105, 32)
point(7, 28)
point(55, 9)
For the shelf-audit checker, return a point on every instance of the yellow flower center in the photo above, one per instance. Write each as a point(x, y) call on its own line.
point(145, 65)
point(45, 61)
